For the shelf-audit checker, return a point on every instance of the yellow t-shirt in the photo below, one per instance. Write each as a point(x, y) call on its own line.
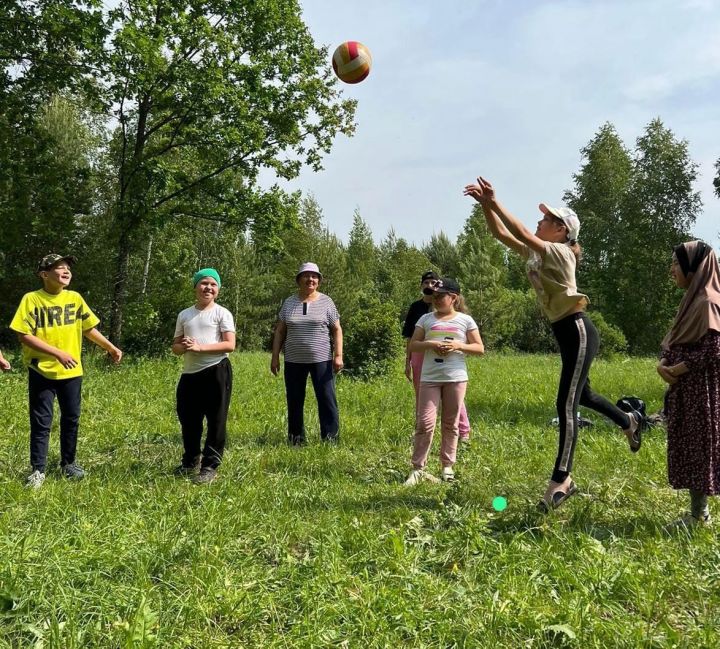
point(59, 320)
point(552, 275)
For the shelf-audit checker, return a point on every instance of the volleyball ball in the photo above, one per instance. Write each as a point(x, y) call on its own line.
point(351, 62)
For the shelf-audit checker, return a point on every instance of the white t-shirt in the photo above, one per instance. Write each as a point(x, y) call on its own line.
point(206, 326)
point(450, 368)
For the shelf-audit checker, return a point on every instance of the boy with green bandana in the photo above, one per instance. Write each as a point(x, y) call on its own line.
point(204, 337)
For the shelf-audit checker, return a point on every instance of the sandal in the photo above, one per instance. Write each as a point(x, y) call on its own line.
point(557, 499)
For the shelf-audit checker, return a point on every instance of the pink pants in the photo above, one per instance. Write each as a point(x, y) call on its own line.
point(429, 398)
point(416, 362)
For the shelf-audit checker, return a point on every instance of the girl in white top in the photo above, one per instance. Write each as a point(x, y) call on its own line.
point(444, 336)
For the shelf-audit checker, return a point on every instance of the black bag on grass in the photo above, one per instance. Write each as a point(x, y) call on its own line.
point(632, 404)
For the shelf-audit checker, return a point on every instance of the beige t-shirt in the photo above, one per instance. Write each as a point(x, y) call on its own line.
point(552, 275)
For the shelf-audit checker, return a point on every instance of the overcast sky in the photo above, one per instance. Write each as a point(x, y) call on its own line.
point(511, 89)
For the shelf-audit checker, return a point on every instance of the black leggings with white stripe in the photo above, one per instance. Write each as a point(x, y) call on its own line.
point(579, 341)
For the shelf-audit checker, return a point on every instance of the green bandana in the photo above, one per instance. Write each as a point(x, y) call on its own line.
point(206, 272)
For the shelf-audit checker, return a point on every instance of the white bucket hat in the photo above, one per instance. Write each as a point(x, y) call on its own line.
point(567, 216)
point(308, 267)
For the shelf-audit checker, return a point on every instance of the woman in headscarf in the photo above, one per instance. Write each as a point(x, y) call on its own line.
point(690, 364)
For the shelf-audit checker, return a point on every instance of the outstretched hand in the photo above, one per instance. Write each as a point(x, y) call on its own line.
point(482, 191)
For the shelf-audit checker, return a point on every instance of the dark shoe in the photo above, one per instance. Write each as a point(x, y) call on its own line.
point(635, 408)
point(557, 499)
point(206, 476)
point(73, 471)
point(297, 441)
point(185, 470)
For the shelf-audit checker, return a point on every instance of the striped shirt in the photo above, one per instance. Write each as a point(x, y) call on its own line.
point(308, 328)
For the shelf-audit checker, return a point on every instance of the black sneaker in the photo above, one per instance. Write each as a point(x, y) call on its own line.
point(73, 471)
point(206, 476)
point(185, 470)
point(635, 408)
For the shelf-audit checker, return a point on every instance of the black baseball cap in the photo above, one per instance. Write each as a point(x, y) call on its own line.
point(430, 274)
point(447, 285)
point(48, 261)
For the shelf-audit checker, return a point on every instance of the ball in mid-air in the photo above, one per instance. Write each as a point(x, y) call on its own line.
point(351, 62)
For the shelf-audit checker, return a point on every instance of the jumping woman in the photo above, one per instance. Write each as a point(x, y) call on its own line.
point(552, 254)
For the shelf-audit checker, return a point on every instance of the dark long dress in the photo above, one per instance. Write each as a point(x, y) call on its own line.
point(692, 408)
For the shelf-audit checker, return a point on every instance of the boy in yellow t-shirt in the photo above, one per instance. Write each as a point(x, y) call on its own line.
point(50, 324)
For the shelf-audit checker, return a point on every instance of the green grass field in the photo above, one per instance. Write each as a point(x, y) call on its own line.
point(323, 546)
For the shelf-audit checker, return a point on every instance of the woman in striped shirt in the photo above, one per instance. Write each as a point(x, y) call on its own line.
point(308, 331)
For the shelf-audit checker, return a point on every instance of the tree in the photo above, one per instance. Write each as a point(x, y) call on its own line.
point(443, 254)
point(362, 258)
point(716, 181)
point(48, 47)
point(482, 272)
point(400, 266)
point(200, 96)
point(45, 186)
point(599, 195)
point(661, 210)
point(633, 209)
point(206, 94)
point(309, 240)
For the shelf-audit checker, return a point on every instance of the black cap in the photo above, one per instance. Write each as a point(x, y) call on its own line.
point(430, 274)
point(48, 261)
point(447, 285)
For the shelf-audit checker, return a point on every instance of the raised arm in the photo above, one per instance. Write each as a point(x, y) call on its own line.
point(514, 234)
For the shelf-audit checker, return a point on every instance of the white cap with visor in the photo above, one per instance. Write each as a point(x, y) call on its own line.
point(567, 216)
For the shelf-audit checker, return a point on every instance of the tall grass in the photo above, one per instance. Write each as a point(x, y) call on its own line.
point(323, 547)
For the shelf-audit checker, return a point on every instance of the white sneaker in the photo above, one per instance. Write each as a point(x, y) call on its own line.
point(35, 480)
point(420, 475)
point(447, 475)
